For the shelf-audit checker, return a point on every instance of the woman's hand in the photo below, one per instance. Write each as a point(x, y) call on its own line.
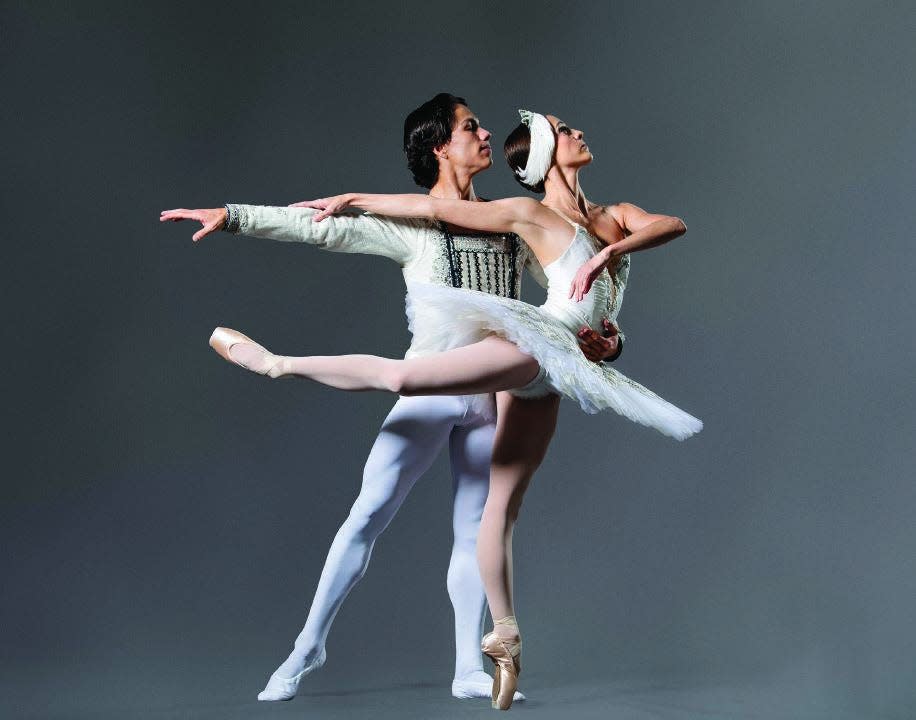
point(212, 220)
point(327, 206)
point(585, 276)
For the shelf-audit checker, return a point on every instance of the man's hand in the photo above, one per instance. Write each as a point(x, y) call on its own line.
point(212, 220)
point(597, 347)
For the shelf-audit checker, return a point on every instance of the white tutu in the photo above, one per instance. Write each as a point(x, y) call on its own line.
point(442, 318)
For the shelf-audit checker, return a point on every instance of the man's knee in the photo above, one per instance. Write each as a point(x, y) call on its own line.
point(464, 533)
point(372, 511)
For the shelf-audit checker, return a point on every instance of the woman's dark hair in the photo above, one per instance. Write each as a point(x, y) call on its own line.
point(516, 148)
point(425, 129)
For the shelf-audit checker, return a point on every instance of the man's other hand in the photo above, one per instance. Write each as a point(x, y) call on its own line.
point(597, 347)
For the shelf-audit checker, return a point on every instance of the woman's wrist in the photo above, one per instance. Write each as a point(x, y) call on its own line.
point(601, 260)
point(610, 254)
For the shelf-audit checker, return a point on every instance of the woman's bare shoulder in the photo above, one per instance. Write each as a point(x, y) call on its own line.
point(607, 221)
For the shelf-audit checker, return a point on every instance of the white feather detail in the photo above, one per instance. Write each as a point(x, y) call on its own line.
point(540, 153)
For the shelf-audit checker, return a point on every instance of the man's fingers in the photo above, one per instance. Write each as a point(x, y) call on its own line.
point(595, 342)
point(589, 350)
point(204, 231)
point(179, 215)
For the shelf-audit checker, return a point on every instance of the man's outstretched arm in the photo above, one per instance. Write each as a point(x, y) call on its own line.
point(353, 233)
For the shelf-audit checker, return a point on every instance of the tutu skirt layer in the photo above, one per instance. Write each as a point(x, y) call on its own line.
point(442, 318)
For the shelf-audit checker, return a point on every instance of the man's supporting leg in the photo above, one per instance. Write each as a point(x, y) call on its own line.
point(410, 438)
point(470, 450)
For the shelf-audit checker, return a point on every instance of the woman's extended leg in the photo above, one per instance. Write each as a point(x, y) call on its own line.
point(490, 365)
point(523, 432)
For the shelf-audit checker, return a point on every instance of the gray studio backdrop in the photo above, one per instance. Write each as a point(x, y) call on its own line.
point(165, 516)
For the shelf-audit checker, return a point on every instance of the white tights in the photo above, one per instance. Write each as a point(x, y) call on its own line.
point(411, 437)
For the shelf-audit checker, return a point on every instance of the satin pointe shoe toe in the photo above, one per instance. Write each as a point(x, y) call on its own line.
point(241, 350)
point(280, 689)
point(506, 656)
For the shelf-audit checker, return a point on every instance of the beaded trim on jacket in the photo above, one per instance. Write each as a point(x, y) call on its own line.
point(486, 262)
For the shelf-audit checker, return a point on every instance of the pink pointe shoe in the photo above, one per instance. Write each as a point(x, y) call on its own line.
point(506, 656)
point(248, 354)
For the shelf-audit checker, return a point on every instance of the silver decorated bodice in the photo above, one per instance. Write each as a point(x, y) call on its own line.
point(490, 263)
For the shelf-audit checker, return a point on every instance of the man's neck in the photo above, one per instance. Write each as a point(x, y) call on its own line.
point(454, 186)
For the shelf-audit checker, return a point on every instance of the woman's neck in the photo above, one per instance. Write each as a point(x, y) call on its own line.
point(563, 192)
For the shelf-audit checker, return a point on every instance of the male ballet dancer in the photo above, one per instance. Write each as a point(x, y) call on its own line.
point(445, 148)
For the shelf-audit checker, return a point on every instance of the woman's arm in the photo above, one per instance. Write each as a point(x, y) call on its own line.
point(646, 230)
point(514, 215)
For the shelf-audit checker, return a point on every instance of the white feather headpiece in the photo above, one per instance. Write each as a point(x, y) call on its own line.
point(540, 152)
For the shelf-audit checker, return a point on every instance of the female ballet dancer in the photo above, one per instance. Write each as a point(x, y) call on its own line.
point(505, 345)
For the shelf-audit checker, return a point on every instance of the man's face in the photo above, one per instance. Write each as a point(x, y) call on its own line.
point(469, 149)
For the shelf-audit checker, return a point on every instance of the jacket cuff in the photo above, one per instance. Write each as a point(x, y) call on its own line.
point(236, 219)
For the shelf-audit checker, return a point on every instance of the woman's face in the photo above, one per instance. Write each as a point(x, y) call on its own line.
point(571, 148)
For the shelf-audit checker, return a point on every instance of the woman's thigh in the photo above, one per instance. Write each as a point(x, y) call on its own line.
point(524, 429)
point(491, 365)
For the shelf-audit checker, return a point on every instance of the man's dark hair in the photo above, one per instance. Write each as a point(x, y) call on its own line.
point(425, 129)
